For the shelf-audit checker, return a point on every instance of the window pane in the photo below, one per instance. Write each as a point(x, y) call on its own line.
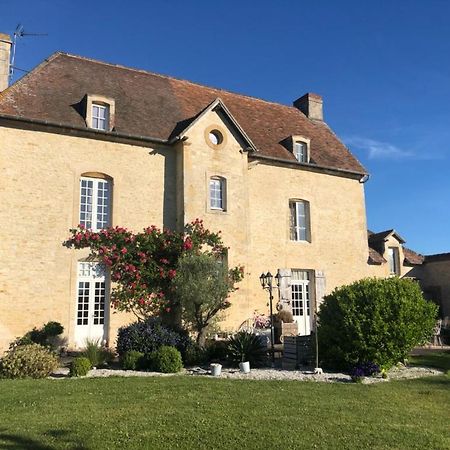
point(100, 117)
point(103, 204)
point(216, 193)
point(95, 203)
point(300, 151)
point(86, 203)
point(299, 221)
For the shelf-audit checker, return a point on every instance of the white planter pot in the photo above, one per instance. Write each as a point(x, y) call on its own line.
point(244, 367)
point(216, 369)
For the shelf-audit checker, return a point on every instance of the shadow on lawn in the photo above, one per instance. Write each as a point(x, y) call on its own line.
point(10, 441)
point(437, 381)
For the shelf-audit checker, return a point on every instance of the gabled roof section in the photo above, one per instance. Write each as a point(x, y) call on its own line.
point(214, 106)
point(383, 235)
point(149, 105)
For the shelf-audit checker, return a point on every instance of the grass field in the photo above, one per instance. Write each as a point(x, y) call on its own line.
point(438, 359)
point(197, 413)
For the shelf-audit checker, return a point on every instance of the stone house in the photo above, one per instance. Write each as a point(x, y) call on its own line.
point(82, 141)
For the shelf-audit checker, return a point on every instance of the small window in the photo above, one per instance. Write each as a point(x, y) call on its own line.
point(217, 193)
point(95, 203)
point(301, 151)
point(393, 257)
point(300, 222)
point(215, 137)
point(100, 117)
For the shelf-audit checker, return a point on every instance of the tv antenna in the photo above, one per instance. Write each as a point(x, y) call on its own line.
point(19, 33)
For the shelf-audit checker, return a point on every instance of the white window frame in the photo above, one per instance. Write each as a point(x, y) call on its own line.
point(97, 117)
point(301, 151)
point(90, 219)
point(301, 302)
point(394, 260)
point(300, 227)
point(217, 185)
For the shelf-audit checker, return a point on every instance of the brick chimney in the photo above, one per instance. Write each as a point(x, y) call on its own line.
point(5, 53)
point(311, 105)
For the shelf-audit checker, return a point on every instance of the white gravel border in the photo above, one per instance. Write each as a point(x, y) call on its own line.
point(400, 373)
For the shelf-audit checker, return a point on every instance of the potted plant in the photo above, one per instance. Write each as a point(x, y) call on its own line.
point(246, 349)
point(216, 369)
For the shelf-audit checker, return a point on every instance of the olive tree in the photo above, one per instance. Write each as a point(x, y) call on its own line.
point(202, 286)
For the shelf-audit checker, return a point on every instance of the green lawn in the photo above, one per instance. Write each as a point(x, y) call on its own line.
point(197, 413)
point(440, 360)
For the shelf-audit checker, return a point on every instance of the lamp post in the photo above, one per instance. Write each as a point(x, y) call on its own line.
point(266, 283)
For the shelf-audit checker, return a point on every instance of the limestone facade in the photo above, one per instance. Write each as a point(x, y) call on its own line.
point(164, 186)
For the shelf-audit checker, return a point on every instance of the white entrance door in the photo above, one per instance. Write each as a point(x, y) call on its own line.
point(300, 301)
point(92, 304)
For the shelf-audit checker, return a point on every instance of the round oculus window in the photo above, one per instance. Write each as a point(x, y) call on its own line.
point(215, 137)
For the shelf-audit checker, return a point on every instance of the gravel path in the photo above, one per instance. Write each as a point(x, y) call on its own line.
point(264, 374)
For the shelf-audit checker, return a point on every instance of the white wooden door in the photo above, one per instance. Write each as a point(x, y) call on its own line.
point(92, 304)
point(300, 301)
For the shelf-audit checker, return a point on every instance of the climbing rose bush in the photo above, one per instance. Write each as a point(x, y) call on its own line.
point(143, 265)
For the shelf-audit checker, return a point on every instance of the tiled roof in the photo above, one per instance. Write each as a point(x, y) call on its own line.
point(157, 106)
point(411, 257)
point(375, 257)
point(375, 249)
point(437, 257)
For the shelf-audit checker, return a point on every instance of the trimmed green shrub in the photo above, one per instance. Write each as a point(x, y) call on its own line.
point(44, 336)
point(28, 361)
point(194, 355)
point(216, 351)
point(166, 360)
point(80, 367)
point(245, 346)
point(52, 329)
point(132, 360)
point(97, 354)
point(377, 320)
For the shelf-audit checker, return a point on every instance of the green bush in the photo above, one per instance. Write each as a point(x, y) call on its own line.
point(80, 366)
point(377, 320)
point(216, 351)
point(166, 360)
point(28, 361)
point(52, 329)
point(97, 354)
point(44, 336)
point(194, 355)
point(245, 346)
point(132, 360)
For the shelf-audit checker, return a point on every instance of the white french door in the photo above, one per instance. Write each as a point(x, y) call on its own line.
point(92, 304)
point(300, 300)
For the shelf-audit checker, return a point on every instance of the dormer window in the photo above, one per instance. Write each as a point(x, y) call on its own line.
point(100, 117)
point(299, 146)
point(100, 112)
point(394, 261)
point(301, 151)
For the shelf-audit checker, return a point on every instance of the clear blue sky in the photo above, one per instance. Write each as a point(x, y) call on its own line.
point(382, 67)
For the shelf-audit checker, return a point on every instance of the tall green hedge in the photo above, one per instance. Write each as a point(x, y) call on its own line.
point(377, 320)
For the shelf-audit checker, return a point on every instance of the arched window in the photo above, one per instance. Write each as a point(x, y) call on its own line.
point(217, 193)
point(95, 202)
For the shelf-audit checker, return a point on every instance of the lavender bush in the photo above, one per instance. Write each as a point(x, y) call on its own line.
point(148, 336)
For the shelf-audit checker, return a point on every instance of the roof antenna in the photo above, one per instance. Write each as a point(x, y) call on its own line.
point(19, 33)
